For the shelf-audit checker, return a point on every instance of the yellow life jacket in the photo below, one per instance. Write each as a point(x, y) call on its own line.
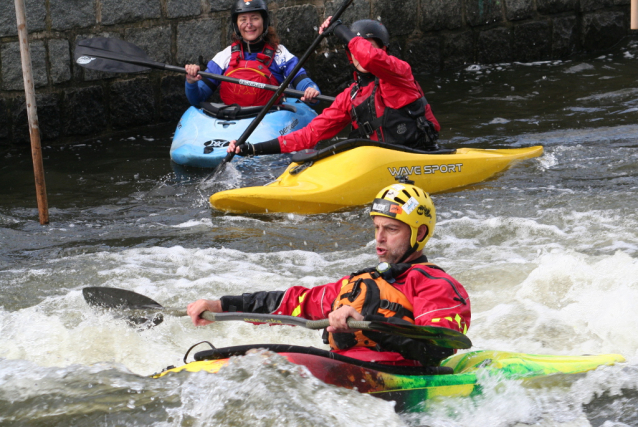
point(371, 292)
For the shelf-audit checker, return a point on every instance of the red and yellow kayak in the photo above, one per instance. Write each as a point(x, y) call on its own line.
point(457, 375)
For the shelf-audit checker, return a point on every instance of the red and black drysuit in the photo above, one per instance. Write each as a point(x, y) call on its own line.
point(386, 104)
point(437, 299)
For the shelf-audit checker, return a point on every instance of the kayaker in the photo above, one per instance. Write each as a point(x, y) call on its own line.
point(403, 288)
point(254, 55)
point(385, 103)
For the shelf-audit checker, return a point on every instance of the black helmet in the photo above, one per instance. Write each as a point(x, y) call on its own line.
point(371, 29)
point(243, 6)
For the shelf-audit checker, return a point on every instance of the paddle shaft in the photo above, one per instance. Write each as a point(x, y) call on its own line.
point(442, 337)
point(293, 93)
point(115, 298)
point(253, 125)
point(268, 318)
point(149, 63)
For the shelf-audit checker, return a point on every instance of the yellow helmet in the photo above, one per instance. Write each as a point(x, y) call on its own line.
point(409, 204)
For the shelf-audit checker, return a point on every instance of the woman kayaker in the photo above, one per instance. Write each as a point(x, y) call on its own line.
point(254, 55)
point(385, 103)
point(403, 289)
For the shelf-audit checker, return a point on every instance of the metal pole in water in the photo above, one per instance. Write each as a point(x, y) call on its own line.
point(634, 14)
point(32, 113)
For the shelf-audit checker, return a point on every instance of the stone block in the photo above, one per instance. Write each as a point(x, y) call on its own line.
point(122, 11)
point(494, 45)
point(60, 60)
point(483, 12)
point(441, 14)
point(132, 103)
point(519, 9)
point(548, 7)
point(174, 102)
point(532, 41)
point(48, 118)
point(331, 71)
point(221, 5)
point(359, 9)
point(36, 17)
point(564, 37)
point(85, 111)
point(296, 25)
point(602, 30)
point(400, 18)
point(195, 38)
point(68, 14)
point(12, 65)
point(424, 55)
point(591, 5)
point(458, 49)
point(155, 41)
point(183, 8)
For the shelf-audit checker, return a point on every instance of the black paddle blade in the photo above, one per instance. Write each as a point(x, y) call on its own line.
point(110, 55)
point(117, 298)
point(443, 337)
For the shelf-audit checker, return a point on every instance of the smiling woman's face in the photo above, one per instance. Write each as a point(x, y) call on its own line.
point(251, 25)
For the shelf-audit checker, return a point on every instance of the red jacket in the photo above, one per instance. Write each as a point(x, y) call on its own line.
point(435, 302)
point(397, 88)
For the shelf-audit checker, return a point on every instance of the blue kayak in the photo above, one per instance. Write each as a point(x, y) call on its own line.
point(204, 132)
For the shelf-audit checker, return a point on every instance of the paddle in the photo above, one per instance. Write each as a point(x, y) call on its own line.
point(249, 130)
point(122, 299)
point(118, 56)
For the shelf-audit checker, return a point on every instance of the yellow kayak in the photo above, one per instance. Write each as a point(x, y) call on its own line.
point(323, 182)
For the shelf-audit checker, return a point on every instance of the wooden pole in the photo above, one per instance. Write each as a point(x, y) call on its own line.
point(634, 14)
point(32, 113)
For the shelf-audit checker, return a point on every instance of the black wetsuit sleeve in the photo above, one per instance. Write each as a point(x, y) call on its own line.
point(344, 33)
point(267, 147)
point(258, 302)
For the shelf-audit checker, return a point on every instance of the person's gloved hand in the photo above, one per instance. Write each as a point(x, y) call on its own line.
point(327, 27)
point(427, 354)
point(431, 132)
point(246, 149)
point(331, 29)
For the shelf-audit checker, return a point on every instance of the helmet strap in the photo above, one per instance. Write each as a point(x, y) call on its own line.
point(408, 253)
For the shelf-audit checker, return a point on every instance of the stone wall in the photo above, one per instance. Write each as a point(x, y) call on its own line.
point(430, 34)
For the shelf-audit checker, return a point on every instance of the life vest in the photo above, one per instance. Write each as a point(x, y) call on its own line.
point(256, 70)
point(404, 126)
point(370, 292)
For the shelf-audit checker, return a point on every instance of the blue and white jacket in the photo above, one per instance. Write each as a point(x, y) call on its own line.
point(284, 62)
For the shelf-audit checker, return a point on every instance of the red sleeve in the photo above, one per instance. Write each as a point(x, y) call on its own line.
point(309, 303)
point(438, 300)
point(398, 86)
point(325, 126)
point(382, 65)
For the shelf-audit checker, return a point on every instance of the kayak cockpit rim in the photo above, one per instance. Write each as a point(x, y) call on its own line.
point(236, 112)
point(241, 350)
point(341, 146)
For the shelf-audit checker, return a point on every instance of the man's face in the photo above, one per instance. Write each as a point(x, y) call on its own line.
point(393, 238)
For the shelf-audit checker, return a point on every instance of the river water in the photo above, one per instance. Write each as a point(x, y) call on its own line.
point(547, 251)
